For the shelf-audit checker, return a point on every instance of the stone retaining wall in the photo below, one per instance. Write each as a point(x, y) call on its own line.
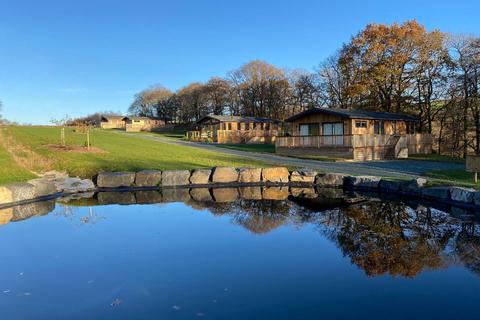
point(56, 184)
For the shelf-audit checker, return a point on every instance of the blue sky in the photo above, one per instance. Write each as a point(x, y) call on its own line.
point(78, 57)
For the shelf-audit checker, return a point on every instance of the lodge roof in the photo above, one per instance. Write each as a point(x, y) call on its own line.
point(112, 117)
point(354, 114)
point(238, 119)
point(138, 118)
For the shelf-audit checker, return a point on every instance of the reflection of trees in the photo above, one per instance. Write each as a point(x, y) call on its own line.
point(467, 247)
point(261, 216)
point(389, 237)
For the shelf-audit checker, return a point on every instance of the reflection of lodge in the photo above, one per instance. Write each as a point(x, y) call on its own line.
point(380, 237)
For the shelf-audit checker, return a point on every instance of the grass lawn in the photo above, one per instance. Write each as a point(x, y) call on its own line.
point(10, 171)
point(456, 177)
point(265, 148)
point(121, 152)
point(435, 157)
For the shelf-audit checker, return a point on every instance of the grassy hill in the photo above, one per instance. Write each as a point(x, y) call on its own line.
point(36, 149)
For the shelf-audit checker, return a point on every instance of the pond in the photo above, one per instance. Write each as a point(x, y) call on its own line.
point(248, 253)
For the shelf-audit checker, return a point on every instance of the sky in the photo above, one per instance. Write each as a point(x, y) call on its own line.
point(73, 58)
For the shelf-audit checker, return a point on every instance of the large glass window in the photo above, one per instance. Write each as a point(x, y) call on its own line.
point(379, 127)
point(309, 129)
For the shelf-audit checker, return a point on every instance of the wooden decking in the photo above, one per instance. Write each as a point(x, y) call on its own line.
point(357, 147)
point(233, 136)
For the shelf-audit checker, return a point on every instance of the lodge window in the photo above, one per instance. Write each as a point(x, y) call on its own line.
point(267, 126)
point(411, 129)
point(360, 124)
point(229, 126)
point(309, 129)
point(379, 127)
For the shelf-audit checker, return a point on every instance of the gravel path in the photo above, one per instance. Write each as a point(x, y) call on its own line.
point(391, 168)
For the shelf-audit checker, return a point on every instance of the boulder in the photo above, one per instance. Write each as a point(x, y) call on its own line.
point(330, 179)
point(460, 194)
point(172, 178)
point(176, 195)
point(224, 175)
point(55, 175)
point(223, 195)
point(116, 198)
point(200, 176)
point(250, 175)
point(115, 179)
point(275, 193)
point(148, 178)
point(251, 193)
point(389, 185)
point(201, 194)
point(303, 192)
point(366, 182)
point(74, 185)
point(278, 174)
point(16, 192)
point(413, 186)
point(43, 187)
point(442, 193)
point(303, 176)
point(476, 198)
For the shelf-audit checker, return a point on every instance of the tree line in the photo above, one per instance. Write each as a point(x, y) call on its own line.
point(401, 68)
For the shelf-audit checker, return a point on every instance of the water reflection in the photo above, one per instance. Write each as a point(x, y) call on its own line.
point(380, 236)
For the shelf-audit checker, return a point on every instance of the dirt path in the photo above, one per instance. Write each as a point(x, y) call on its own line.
point(395, 168)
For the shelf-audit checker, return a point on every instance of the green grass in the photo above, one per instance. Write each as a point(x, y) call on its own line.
point(10, 171)
point(453, 177)
point(122, 152)
point(264, 148)
point(435, 157)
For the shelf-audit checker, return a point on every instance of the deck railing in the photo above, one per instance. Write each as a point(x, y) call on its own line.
point(314, 141)
point(414, 142)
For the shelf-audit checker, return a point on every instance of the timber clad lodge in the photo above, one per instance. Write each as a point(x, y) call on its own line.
point(326, 132)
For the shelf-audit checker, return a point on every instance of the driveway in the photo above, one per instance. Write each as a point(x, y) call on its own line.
point(390, 168)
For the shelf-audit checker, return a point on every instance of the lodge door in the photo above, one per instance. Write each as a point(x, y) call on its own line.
point(333, 133)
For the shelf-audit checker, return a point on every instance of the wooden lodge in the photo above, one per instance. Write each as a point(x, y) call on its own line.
point(137, 124)
point(353, 134)
point(235, 129)
point(112, 122)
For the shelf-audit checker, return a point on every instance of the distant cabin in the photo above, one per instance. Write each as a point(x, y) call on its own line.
point(353, 134)
point(235, 129)
point(137, 124)
point(112, 122)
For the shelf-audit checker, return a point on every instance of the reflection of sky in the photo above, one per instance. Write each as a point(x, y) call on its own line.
point(152, 258)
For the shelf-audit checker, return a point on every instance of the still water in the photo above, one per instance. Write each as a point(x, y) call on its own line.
point(248, 253)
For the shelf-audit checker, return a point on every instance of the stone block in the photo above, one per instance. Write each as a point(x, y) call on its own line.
point(330, 179)
point(460, 194)
point(250, 175)
point(115, 179)
point(173, 178)
point(303, 176)
point(148, 178)
point(200, 176)
point(364, 182)
point(224, 175)
point(278, 174)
